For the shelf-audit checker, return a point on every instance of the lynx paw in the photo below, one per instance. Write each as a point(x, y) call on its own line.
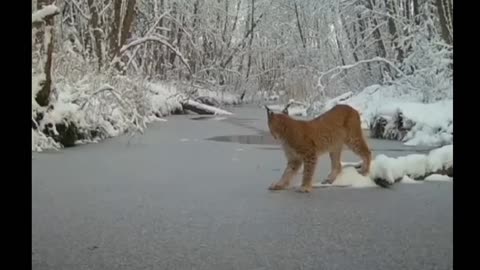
point(304, 189)
point(363, 172)
point(327, 182)
point(276, 186)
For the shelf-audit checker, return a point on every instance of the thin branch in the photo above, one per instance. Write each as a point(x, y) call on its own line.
point(81, 11)
point(368, 35)
point(151, 30)
point(99, 91)
point(160, 40)
point(105, 8)
point(346, 67)
point(339, 69)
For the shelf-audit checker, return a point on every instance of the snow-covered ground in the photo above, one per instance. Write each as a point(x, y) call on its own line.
point(431, 123)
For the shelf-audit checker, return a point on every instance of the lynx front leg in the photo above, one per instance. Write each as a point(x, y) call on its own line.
point(292, 168)
point(310, 162)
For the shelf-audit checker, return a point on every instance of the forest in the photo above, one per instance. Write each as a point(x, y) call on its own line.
point(102, 68)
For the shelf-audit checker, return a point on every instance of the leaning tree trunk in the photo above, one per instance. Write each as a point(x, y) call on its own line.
point(445, 12)
point(252, 25)
point(44, 27)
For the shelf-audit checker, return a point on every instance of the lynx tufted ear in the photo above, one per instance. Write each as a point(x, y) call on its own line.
point(269, 112)
point(285, 110)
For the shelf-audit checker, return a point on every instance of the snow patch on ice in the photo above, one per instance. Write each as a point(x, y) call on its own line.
point(439, 178)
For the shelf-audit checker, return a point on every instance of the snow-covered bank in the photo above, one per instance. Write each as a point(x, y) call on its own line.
point(95, 108)
point(391, 113)
point(415, 123)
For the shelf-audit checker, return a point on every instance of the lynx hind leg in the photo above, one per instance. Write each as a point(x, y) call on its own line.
point(293, 165)
point(310, 162)
point(336, 165)
point(358, 145)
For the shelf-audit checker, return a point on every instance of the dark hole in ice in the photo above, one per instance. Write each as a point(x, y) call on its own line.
point(216, 117)
point(202, 117)
point(246, 139)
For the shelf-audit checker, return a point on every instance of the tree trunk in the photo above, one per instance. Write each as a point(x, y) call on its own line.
point(392, 28)
point(225, 25)
point(43, 96)
point(352, 42)
point(252, 25)
point(160, 54)
point(174, 31)
point(234, 23)
point(445, 12)
point(94, 21)
point(378, 36)
point(127, 22)
point(115, 28)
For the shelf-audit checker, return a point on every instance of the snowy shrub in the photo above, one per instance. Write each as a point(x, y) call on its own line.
point(92, 107)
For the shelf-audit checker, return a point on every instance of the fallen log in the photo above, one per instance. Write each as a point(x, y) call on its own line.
point(207, 100)
point(200, 108)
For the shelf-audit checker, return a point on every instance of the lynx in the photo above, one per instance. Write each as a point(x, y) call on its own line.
point(304, 142)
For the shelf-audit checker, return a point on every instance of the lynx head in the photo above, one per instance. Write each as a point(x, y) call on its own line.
point(274, 123)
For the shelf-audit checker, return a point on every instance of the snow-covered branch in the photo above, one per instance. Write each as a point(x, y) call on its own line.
point(44, 13)
point(149, 32)
point(346, 67)
point(88, 17)
point(160, 40)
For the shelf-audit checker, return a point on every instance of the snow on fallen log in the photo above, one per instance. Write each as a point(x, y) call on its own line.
point(415, 166)
point(200, 108)
point(46, 11)
point(385, 171)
